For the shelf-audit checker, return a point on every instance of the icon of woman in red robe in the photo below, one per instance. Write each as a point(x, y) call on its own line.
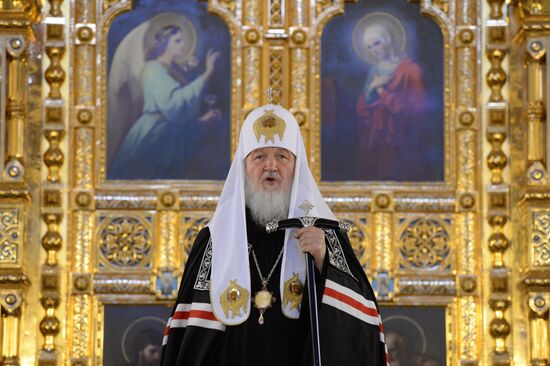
point(392, 107)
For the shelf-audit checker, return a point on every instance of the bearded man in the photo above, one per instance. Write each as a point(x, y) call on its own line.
point(241, 300)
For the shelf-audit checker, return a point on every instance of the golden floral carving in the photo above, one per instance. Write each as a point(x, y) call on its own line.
point(10, 235)
point(124, 242)
point(251, 78)
point(168, 222)
point(359, 239)
point(85, 9)
point(383, 240)
point(122, 284)
point(299, 79)
point(540, 239)
point(190, 229)
point(466, 11)
point(83, 242)
point(466, 160)
point(84, 85)
point(426, 286)
point(251, 12)
point(80, 330)
point(424, 244)
point(467, 243)
point(83, 158)
point(468, 328)
point(466, 77)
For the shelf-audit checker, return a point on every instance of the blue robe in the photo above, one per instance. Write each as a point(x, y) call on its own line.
point(154, 147)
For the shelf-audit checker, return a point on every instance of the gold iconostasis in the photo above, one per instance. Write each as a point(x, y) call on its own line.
point(425, 123)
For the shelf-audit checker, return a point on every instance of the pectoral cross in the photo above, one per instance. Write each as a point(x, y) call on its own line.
point(306, 207)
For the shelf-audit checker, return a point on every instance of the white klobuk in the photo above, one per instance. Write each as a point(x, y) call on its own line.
point(267, 126)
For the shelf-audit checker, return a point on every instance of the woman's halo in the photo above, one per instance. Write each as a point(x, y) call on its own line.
point(385, 20)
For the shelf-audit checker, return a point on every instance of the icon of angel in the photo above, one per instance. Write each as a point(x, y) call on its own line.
point(156, 90)
point(392, 107)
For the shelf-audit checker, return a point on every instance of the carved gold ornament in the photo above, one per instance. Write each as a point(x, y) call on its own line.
point(268, 126)
point(125, 242)
point(541, 239)
point(293, 292)
point(10, 236)
point(425, 244)
point(233, 299)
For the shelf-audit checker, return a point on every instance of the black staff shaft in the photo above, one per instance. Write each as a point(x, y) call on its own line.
point(313, 315)
point(310, 269)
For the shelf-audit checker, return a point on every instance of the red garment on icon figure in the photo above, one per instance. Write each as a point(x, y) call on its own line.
point(388, 115)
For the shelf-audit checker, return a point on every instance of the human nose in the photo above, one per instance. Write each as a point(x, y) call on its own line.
point(271, 164)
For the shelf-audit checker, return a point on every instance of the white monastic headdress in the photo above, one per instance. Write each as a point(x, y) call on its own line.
point(267, 126)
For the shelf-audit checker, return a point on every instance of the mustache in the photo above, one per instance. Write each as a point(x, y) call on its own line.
point(273, 175)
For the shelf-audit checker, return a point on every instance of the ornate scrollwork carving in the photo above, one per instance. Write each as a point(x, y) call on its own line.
point(426, 286)
point(10, 235)
point(125, 242)
point(191, 227)
point(425, 244)
point(540, 239)
point(359, 239)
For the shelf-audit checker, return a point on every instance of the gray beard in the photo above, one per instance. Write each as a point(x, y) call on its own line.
point(267, 206)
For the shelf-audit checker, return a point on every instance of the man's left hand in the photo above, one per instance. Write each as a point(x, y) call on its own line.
point(312, 240)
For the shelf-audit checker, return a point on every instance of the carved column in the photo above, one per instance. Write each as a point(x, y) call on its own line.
point(529, 138)
point(539, 328)
point(16, 108)
point(52, 187)
point(10, 303)
point(535, 113)
point(497, 189)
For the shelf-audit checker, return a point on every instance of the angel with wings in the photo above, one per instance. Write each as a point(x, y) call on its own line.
point(150, 104)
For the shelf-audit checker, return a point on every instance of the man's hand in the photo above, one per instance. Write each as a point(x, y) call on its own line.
point(312, 240)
